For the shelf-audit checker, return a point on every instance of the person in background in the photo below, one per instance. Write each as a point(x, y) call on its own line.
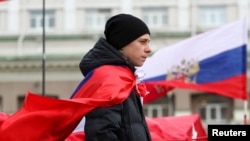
point(125, 47)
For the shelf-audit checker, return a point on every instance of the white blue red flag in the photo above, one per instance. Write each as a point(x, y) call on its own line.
point(214, 61)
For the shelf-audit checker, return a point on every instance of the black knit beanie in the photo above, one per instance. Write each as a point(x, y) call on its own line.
point(122, 29)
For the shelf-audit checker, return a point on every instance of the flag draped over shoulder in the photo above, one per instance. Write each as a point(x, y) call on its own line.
point(214, 61)
point(47, 119)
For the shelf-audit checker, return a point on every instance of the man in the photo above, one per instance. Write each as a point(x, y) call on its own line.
point(125, 46)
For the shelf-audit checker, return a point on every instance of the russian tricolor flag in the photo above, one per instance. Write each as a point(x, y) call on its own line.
point(214, 61)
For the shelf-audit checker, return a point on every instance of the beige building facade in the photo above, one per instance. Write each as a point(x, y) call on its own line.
point(72, 28)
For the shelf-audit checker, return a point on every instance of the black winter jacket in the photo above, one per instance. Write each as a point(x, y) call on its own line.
point(122, 122)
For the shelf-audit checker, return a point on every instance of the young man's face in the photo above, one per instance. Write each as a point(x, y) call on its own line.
point(137, 51)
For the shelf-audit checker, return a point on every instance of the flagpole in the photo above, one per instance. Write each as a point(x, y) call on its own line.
point(245, 112)
point(44, 55)
point(246, 101)
point(193, 17)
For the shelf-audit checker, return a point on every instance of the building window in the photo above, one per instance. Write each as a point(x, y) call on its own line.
point(2, 21)
point(155, 110)
point(213, 108)
point(163, 106)
point(212, 15)
point(96, 18)
point(20, 100)
point(155, 17)
point(36, 19)
point(1, 104)
point(214, 112)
